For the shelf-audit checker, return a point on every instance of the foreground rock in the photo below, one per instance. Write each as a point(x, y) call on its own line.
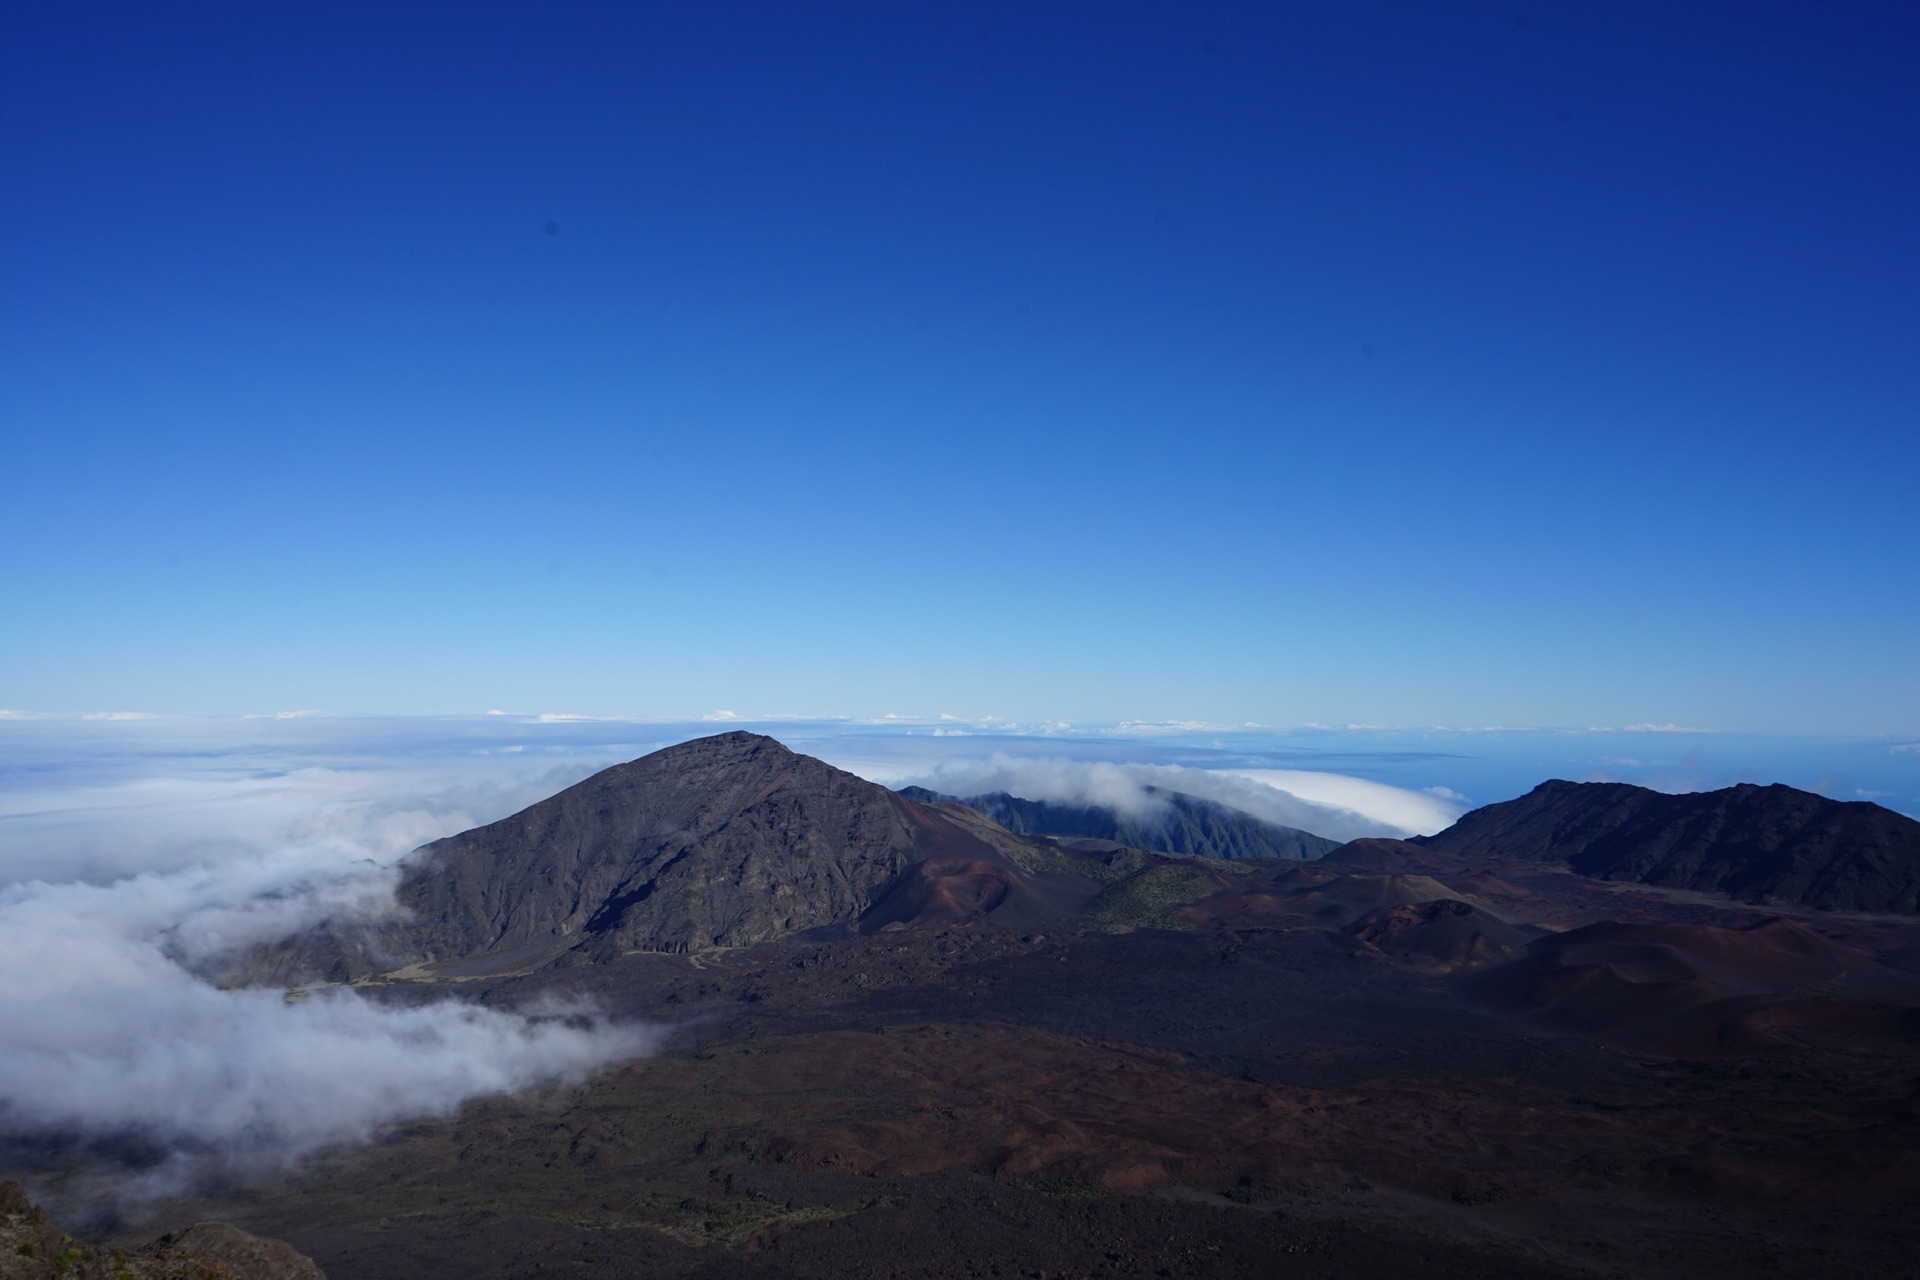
point(32, 1246)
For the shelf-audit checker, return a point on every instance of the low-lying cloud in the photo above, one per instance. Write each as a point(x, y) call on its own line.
point(106, 1030)
point(109, 1029)
point(1337, 806)
point(1397, 810)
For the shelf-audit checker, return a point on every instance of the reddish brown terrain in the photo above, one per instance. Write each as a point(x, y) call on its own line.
point(1026, 1059)
point(945, 1099)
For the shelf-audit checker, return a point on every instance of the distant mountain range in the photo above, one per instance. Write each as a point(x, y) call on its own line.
point(1185, 826)
point(1757, 844)
point(733, 840)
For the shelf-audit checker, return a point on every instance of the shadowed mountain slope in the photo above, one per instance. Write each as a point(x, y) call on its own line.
point(1759, 844)
point(1690, 990)
point(1384, 856)
point(1345, 899)
point(1183, 825)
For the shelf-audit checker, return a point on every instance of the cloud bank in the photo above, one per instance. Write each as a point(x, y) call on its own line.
point(109, 1031)
point(1334, 805)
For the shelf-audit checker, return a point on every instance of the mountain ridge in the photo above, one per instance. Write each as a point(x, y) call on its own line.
point(1187, 826)
point(1755, 843)
point(722, 841)
point(735, 839)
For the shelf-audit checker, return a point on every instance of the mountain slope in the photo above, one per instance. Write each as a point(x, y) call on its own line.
point(723, 841)
point(1701, 991)
point(1770, 843)
point(1185, 826)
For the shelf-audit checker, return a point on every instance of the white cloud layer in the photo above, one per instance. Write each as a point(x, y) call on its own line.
point(1334, 805)
point(112, 895)
point(1400, 811)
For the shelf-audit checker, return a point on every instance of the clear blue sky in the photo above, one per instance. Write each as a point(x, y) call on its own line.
point(1457, 363)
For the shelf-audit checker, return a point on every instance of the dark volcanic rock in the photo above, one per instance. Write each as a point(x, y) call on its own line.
point(723, 841)
point(1759, 844)
point(1185, 826)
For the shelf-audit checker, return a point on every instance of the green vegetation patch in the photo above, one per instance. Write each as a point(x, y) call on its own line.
point(1151, 897)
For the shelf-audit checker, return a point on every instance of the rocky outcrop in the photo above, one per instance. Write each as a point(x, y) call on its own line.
point(30, 1246)
point(253, 1256)
point(1757, 844)
point(1182, 825)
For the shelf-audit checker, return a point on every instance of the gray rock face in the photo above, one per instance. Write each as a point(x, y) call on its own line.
point(1187, 826)
point(719, 842)
point(1760, 844)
